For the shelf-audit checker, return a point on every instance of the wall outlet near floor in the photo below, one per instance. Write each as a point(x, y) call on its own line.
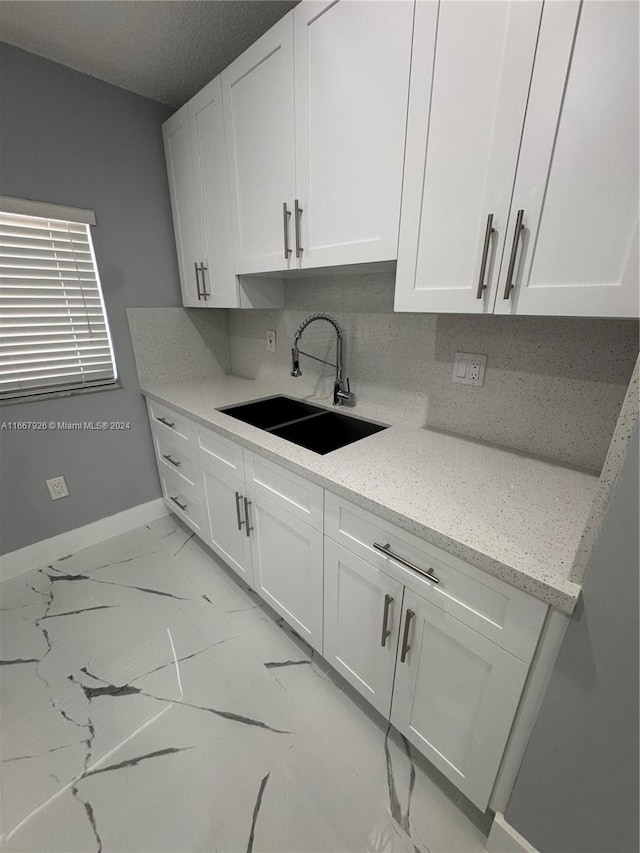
point(57, 488)
point(271, 340)
point(468, 368)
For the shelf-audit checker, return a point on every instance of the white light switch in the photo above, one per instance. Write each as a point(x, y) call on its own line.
point(468, 368)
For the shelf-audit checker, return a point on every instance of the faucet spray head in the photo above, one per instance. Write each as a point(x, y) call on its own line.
point(295, 362)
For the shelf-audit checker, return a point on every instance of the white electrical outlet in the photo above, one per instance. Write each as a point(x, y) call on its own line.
point(57, 488)
point(468, 368)
point(271, 340)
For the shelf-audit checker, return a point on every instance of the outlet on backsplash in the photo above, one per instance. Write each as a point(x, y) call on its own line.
point(468, 368)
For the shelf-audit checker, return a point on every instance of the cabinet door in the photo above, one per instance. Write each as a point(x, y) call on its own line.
point(185, 204)
point(455, 696)
point(226, 522)
point(577, 181)
point(352, 82)
point(257, 90)
point(470, 76)
point(362, 608)
point(218, 281)
point(287, 566)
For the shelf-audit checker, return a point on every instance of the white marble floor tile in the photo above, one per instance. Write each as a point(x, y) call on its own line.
point(150, 701)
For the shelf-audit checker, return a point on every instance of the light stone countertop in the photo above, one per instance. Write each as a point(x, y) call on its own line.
point(517, 517)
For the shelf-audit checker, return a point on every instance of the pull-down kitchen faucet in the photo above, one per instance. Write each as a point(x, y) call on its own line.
point(340, 394)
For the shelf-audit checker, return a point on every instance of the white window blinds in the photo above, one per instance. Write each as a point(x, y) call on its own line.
point(53, 327)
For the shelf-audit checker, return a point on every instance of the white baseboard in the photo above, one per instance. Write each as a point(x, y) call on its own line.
point(503, 838)
point(41, 553)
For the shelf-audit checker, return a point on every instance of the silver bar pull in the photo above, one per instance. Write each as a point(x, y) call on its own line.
point(485, 254)
point(285, 215)
point(165, 422)
point(298, 214)
point(248, 528)
point(183, 507)
point(405, 637)
point(240, 521)
point(205, 294)
point(426, 573)
point(509, 285)
point(169, 458)
point(195, 266)
point(386, 631)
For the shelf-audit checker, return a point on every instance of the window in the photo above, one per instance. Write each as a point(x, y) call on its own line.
point(54, 334)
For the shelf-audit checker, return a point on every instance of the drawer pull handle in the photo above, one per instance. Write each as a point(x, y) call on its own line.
point(240, 521)
point(509, 285)
point(169, 458)
point(248, 527)
point(386, 631)
point(166, 422)
point(183, 507)
point(405, 637)
point(426, 573)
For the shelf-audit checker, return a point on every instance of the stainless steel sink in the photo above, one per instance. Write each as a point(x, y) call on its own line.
point(313, 427)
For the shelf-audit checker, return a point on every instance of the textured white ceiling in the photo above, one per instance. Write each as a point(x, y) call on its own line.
point(164, 49)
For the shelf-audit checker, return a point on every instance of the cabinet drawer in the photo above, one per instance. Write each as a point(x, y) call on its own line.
point(172, 456)
point(220, 451)
point(183, 501)
point(288, 490)
point(506, 615)
point(169, 423)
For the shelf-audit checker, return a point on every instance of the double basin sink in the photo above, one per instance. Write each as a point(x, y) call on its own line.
point(308, 426)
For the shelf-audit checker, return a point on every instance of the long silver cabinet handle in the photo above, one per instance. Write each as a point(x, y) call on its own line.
point(426, 573)
point(171, 459)
point(205, 294)
point(183, 507)
point(386, 631)
point(285, 216)
point(405, 637)
point(485, 254)
point(509, 285)
point(240, 521)
point(298, 214)
point(165, 422)
point(196, 268)
point(248, 528)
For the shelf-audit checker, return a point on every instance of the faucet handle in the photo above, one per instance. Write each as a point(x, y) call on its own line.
point(340, 396)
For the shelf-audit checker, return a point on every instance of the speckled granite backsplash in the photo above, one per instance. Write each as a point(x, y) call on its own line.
point(553, 386)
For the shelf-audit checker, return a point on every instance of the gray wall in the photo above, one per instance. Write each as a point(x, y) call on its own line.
point(70, 139)
point(553, 386)
point(577, 789)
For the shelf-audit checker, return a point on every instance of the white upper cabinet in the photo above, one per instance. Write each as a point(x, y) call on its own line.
point(185, 204)
point(258, 105)
point(217, 277)
point(352, 63)
point(577, 180)
point(470, 76)
point(521, 176)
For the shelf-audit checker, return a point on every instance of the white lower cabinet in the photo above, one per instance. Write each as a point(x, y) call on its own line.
point(455, 696)
point(438, 647)
point(224, 501)
point(287, 566)
point(362, 608)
